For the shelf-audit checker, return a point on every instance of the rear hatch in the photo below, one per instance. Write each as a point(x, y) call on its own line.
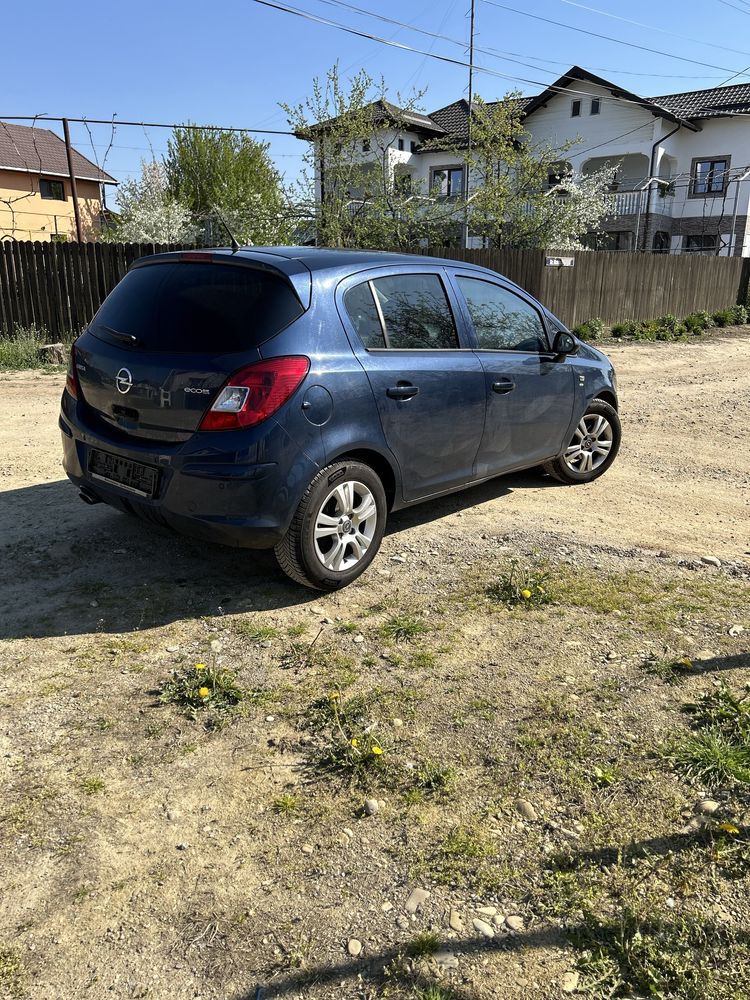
point(169, 335)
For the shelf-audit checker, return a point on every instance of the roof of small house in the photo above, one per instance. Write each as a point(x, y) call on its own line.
point(35, 150)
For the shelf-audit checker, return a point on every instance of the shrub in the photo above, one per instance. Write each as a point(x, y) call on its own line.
point(590, 329)
point(739, 315)
point(669, 327)
point(723, 317)
point(697, 322)
point(626, 329)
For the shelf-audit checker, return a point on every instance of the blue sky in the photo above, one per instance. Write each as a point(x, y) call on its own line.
point(230, 63)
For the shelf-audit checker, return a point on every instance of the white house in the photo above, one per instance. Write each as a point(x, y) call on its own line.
point(680, 162)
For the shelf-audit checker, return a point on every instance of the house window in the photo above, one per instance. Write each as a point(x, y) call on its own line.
point(618, 240)
point(661, 242)
point(413, 146)
point(52, 190)
point(401, 145)
point(596, 106)
point(704, 244)
point(710, 176)
point(448, 180)
point(575, 109)
point(365, 145)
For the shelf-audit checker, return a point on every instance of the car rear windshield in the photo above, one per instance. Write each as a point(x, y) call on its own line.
point(194, 308)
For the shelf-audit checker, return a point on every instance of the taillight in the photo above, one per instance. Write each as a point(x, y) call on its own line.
point(71, 379)
point(254, 393)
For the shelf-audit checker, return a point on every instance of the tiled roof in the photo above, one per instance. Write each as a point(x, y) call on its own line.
point(707, 103)
point(454, 117)
point(39, 150)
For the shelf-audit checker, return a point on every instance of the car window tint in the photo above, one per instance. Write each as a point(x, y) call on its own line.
point(502, 320)
point(363, 313)
point(197, 307)
point(416, 312)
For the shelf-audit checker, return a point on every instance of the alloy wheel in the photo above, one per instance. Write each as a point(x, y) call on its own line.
point(345, 525)
point(591, 444)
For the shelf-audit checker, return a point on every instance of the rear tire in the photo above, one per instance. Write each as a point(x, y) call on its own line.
point(337, 528)
point(593, 448)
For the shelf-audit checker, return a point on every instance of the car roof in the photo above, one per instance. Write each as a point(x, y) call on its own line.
point(321, 258)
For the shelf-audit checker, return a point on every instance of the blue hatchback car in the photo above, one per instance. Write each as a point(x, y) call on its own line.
point(290, 397)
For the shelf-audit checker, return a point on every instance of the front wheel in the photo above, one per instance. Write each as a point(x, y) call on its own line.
point(593, 448)
point(337, 528)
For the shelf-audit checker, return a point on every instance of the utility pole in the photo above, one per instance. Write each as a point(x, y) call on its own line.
point(468, 129)
point(73, 188)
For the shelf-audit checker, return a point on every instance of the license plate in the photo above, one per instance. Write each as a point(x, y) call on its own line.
point(140, 479)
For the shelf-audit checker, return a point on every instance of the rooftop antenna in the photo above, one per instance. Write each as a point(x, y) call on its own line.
point(232, 237)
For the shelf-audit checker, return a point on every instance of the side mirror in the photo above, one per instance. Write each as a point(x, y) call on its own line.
point(564, 344)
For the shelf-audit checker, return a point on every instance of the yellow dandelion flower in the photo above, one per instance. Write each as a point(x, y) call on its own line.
point(526, 594)
point(334, 696)
point(685, 661)
point(377, 750)
point(203, 693)
point(729, 827)
point(355, 742)
point(200, 666)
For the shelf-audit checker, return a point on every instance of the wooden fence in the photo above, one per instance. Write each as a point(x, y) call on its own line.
point(619, 286)
point(59, 286)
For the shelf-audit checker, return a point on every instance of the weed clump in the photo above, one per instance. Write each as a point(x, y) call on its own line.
point(202, 689)
point(520, 585)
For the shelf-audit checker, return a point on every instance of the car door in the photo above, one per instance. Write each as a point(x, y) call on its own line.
point(429, 387)
point(530, 393)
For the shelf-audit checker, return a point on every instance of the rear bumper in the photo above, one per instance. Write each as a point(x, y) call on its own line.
point(212, 487)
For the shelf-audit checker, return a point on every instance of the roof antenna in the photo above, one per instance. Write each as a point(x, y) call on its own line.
point(232, 237)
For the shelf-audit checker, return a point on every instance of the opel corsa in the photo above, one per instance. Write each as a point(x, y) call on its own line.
point(290, 397)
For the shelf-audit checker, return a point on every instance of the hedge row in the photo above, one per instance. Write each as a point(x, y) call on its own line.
point(665, 327)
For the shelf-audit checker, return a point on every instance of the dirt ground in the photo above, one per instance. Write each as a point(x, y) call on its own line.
point(146, 853)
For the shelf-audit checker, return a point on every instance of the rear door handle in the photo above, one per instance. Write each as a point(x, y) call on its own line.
point(503, 385)
point(402, 391)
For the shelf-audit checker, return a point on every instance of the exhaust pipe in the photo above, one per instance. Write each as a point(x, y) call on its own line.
point(88, 497)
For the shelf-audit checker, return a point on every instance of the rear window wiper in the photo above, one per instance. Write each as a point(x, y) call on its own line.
point(128, 338)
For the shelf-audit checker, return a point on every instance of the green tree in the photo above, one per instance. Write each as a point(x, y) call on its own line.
point(364, 196)
point(228, 175)
point(524, 194)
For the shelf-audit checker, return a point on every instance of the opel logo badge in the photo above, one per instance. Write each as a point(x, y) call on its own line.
point(124, 380)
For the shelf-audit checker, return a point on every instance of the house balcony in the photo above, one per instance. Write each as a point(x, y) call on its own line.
point(621, 203)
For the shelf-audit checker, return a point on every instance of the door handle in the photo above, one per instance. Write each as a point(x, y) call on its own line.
point(503, 385)
point(402, 391)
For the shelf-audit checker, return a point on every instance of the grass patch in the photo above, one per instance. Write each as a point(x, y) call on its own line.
point(717, 750)
point(202, 690)
point(256, 633)
point(11, 973)
point(668, 670)
point(351, 749)
point(669, 958)
point(403, 628)
point(92, 785)
point(426, 943)
point(520, 585)
point(709, 757)
point(20, 351)
point(285, 804)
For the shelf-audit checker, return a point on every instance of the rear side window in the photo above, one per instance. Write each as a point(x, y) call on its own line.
point(402, 312)
point(197, 308)
point(502, 320)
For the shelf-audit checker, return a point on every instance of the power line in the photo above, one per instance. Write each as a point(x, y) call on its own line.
point(514, 57)
point(116, 121)
point(606, 38)
point(653, 27)
point(449, 59)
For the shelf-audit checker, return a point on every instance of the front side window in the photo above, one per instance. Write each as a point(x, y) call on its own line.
point(402, 312)
point(575, 109)
point(710, 176)
point(596, 106)
point(52, 190)
point(449, 181)
point(502, 320)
